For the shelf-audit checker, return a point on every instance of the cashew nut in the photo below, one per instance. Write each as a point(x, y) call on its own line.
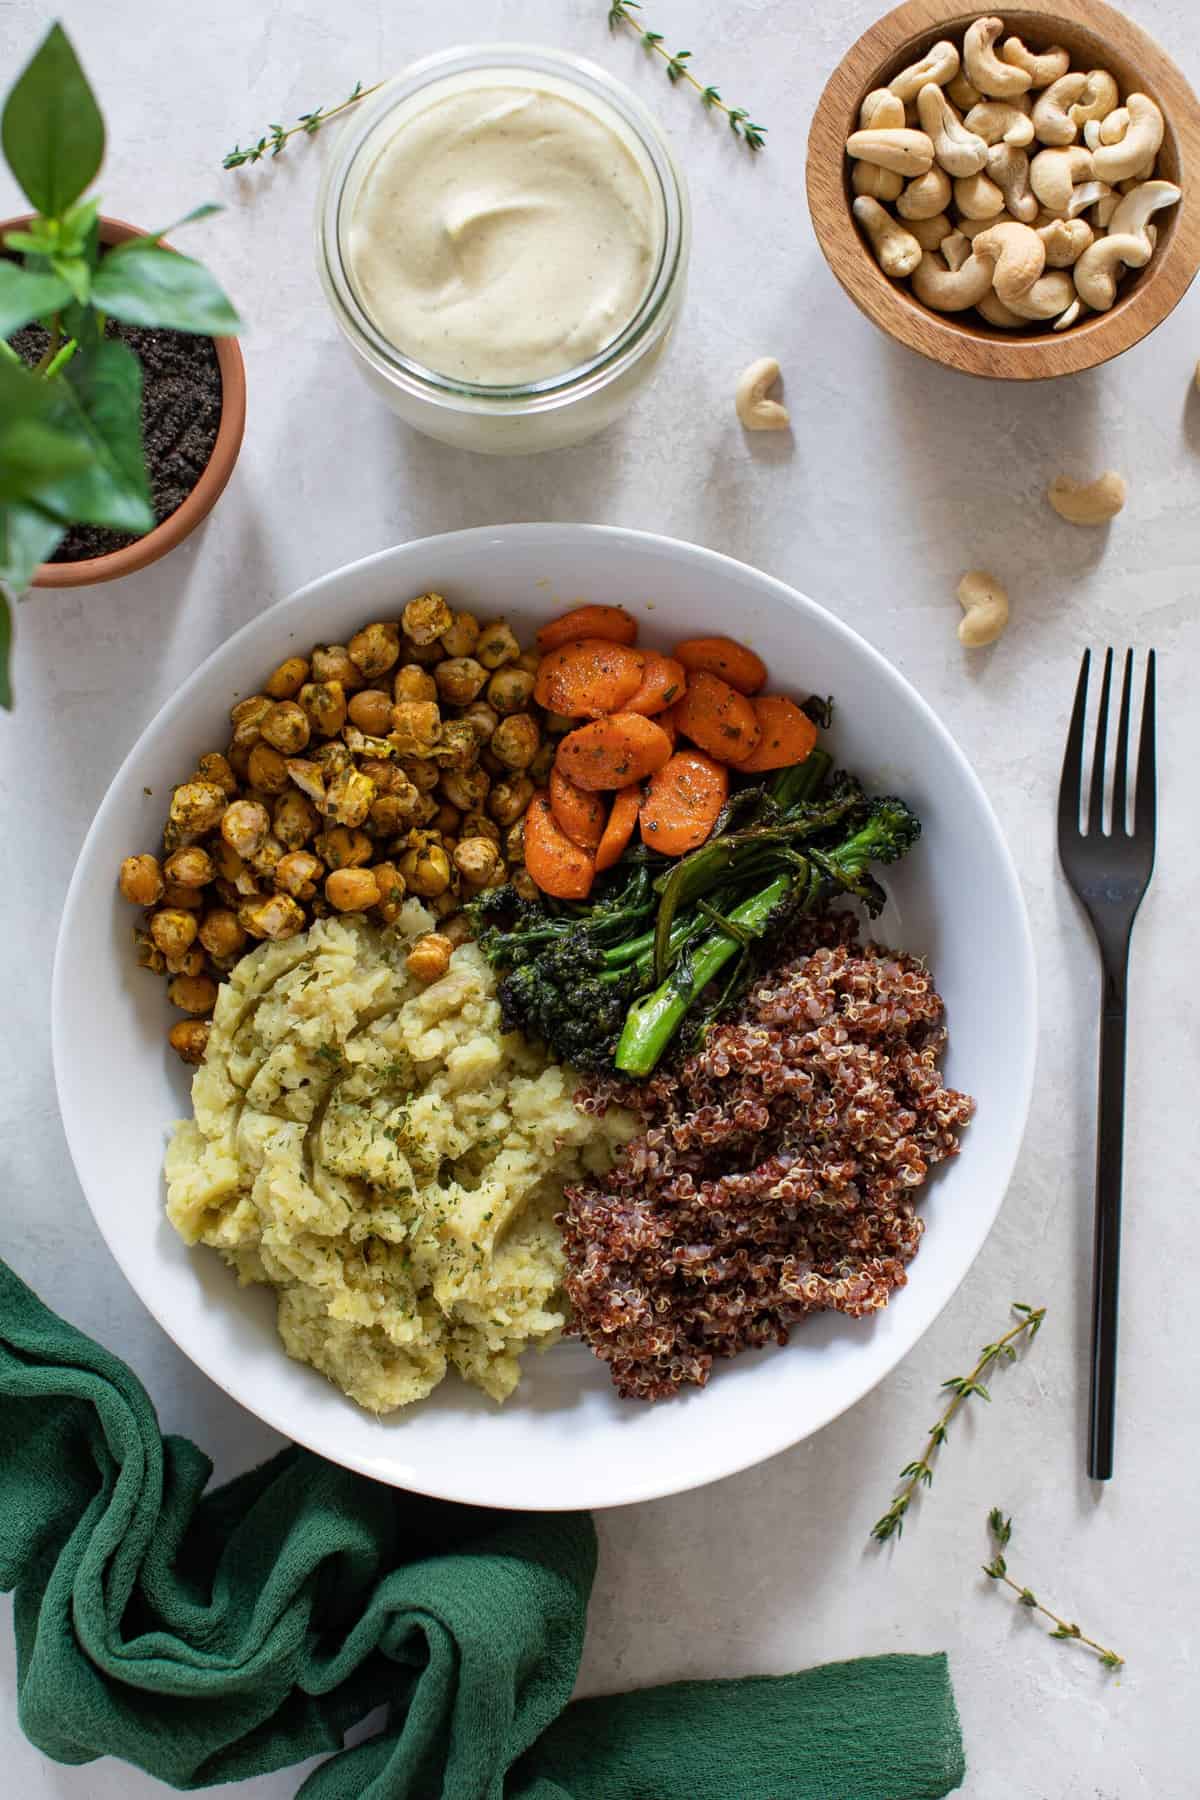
point(939, 64)
point(1042, 68)
point(996, 313)
point(1087, 502)
point(985, 609)
point(985, 70)
point(1051, 121)
point(1019, 256)
point(1112, 129)
point(896, 148)
point(1099, 97)
point(1054, 173)
point(978, 197)
point(1104, 209)
point(955, 249)
point(1088, 193)
point(755, 411)
point(925, 196)
point(1065, 241)
point(1098, 268)
point(997, 121)
point(1072, 315)
point(881, 111)
point(1008, 167)
point(951, 290)
point(1132, 212)
point(896, 251)
point(875, 183)
point(961, 94)
point(1141, 142)
point(1049, 296)
point(958, 150)
point(930, 233)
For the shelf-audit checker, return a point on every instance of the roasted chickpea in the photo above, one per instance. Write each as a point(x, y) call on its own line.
point(190, 867)
point(267, 858)
point(275, 917)
point(267, 769)
point(465, 788)
point(543, 762)
point(482, 718)
point(530, 660)
point(244, 826)
point(462, 636)
point(429, 957)
point(295, 819)
point(457, 929)
point(196, 807)
point(389, 814)
point(476, 858)
point(514, 841)
point(285, 682)
point(247, 730)
point(252, 707)
point(172, 930)
point(238, 757)
point(509, 798)
point(424, 655)
point(214, 767)
point(221, 934)
point(308, 776)
point(189, 1038)
point(445, 905)
point(427, 618)
point(477, 824)
point(333, 662)
point(390, 883)
point(298, 873)
point(193, 993)
point(459, 679)
point(325, 704)
point(348, 797)
point(176, 893)
point(497, 645)
point(343, 848)
point(140, 880)
point(510, 689)
point(516, 740)
point(458, 746)
point(192, 962)
point(523, 884)
point(557, 724)
point(375, 649)
point(371, 710)
point(388, 776)
point(414, 683)
point(426, 869)
point(425, 809)
point(423, 773)
point(416, 728)
point(446, 819)
point(352, 890)
point(286, 727)
point(489, 761)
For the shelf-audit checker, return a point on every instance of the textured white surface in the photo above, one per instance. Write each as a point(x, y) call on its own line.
point(896, 479)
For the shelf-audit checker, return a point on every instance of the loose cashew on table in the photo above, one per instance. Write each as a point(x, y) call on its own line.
point(755, 410)
point(1010, 141)
point(985, 609)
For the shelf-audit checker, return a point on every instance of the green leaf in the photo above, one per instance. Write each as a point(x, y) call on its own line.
point(25, 296)
point(31, 243)
point(78, 226)
point(51, 130)
point(100, 400)
point(6, 695)
point(28, 537)
point(151, 286)
point(75, 272)
point(155, 237)
point(33, 457)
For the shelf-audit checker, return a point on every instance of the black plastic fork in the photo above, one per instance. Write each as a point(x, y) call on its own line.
point(1110, 872)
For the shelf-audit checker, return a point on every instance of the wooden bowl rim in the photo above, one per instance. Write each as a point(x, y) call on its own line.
point(213, 478)
point(939, 337)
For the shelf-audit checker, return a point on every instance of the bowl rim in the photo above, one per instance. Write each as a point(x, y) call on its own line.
point(1024, 977)
point(937, 336)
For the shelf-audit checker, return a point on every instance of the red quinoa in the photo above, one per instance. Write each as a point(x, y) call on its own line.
point(777, 1170)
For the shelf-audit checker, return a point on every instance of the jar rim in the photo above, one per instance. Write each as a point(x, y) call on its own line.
point(549, 391)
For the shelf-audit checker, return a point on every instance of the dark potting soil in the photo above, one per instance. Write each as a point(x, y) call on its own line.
point(181, 411)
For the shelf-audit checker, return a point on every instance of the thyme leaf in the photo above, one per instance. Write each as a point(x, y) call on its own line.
point(1000, 1532)
point(275, 137)
point(743, 127)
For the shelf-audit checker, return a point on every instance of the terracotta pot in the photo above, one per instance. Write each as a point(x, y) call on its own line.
point(207, 490)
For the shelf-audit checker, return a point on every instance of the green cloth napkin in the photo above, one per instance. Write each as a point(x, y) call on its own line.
point(209, 1637)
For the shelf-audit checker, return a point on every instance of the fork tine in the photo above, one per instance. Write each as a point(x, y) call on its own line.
point(1071, 784)
point(1145, 793)
point(1095, 816)
point(1121, 768)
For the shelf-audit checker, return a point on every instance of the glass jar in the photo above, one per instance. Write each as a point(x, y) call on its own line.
point(561, 409)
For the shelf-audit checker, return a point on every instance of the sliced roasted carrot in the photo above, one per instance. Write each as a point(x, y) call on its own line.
point(588, 678)
point(663, 682)
point(611, 622)
point(724, 657)
point(682, 802)
point(666, 722)
point(613, 752)
point(718, 718)
point(622, 817)
point(558, 866)
point(578, 813)
point(787, 735)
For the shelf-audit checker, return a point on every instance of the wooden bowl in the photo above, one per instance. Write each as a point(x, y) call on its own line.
point(1096, 36)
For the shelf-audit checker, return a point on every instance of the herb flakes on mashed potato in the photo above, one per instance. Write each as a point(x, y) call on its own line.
point(386, 1158)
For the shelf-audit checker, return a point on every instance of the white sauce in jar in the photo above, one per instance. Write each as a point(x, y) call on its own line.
point(504, 233)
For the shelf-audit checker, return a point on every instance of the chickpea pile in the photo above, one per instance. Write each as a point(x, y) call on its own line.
point(400, 763)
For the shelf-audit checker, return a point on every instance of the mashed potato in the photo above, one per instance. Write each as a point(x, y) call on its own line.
point(388, 1160)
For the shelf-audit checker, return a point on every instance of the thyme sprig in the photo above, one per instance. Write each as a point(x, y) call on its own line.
point(621, 12)
point(920, 1473)
point(275, 137)
point(1000, 1530)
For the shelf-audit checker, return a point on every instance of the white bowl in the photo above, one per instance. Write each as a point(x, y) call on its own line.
point(564, 1439)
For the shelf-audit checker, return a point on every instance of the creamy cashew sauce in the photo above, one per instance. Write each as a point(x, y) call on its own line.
point(503, 233)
